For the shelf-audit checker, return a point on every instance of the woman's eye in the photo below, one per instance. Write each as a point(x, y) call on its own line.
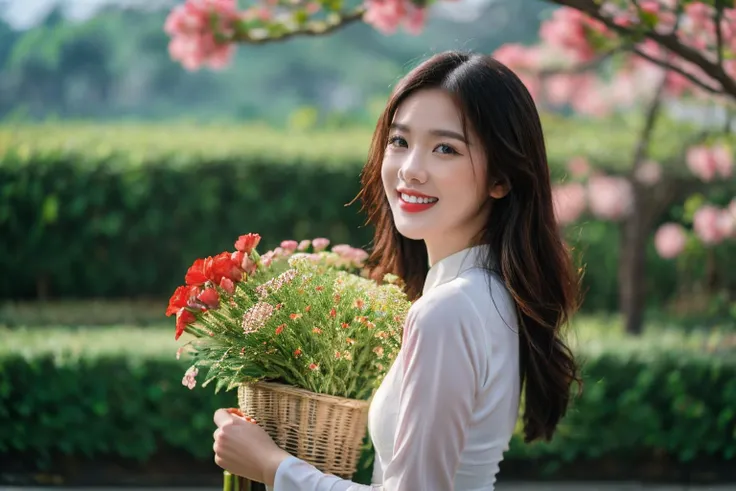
point(397, 141)
point(446, 149)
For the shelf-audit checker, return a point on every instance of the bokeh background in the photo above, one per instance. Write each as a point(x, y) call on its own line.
point(118, 167)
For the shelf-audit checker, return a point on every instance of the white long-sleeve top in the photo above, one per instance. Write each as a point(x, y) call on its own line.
point(444, 414)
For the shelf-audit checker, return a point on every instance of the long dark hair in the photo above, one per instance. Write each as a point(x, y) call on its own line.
point(532, 259)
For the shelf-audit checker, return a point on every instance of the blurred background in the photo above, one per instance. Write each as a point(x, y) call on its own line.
point(118, 167)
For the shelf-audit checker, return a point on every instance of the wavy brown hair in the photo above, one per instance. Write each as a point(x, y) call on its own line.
point(527, 249)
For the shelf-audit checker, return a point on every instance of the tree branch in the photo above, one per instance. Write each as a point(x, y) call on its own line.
point(316, 28)
point(668, 41)
point(668, 66)
point(642, 145)
point(719, 32)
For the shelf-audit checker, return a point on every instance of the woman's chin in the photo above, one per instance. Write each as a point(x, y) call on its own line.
point(409, 232)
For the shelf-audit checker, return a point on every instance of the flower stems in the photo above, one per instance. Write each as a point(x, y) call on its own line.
point(231, 482)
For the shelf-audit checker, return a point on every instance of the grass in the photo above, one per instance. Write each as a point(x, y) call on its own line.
point(101, 312)
point(153, 341)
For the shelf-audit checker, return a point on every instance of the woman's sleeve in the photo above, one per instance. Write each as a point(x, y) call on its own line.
point(441, 365)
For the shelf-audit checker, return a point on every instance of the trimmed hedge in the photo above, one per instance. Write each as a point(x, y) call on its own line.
point(121, 210)
point(116, 392)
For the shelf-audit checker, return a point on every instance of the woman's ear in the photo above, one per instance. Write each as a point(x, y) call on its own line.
point(499, 189)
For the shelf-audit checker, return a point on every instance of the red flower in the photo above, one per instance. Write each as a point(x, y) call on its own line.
point(222, 266)
point(183, 318)
point(210, 297)
point(237, 257)
point(246, 243)
point(180, 299)
point(196, 273)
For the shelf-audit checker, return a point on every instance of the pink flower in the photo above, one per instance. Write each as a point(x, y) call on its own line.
point(320, 244)
point(248, 265)
point(649, 173)
point(387, 15)
point(193, 41)
point(706, 162)
point(350, 255)
point(304, 245)
point(190, 380)
point(578, 166)
point(700, 163)
point(227, 285)
point(590, 99)
point(518, 57)
point(256, 317)
point(289, 245)
point(560, 89)
point(267, 258)
point(569, 202)
point(710, 225)
point(699, 16)
point(623, 88)
point(567, 30)
point(669, 240)
point(723, 159)
point(610, 197)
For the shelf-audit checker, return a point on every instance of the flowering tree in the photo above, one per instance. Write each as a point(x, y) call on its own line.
point(594, 56)
point(564, 71)
point(696, 40)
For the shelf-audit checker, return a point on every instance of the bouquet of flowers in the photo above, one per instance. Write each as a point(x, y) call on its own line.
point(302, 333)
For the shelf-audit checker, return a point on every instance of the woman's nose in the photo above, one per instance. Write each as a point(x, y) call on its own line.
point(412, 169)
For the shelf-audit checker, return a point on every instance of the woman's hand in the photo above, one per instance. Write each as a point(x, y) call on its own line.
point(243, 448)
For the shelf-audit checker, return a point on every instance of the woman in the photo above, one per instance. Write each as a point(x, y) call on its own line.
point(458, 188)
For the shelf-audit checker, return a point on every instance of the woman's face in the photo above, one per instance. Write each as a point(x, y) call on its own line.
point(435, 178)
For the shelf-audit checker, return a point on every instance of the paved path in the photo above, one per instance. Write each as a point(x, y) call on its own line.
point(533, 486)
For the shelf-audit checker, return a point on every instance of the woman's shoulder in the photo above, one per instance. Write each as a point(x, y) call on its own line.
point(476, 296)
point(450, 301)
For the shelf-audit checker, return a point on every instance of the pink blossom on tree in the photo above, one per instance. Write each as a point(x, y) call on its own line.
point(569, 202)
point(709, 162)
point(712, 225)
point(648, 173)
point(570, 30)
point(387, 15)
point(609, 197)
point(578, 166)
point(670, 240)
point(193, 40)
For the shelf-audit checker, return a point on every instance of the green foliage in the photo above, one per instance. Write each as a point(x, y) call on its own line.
point(95, 392)
point(125, 208)
point(675, 403)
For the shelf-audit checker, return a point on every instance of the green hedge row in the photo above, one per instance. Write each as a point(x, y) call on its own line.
point(117, 392)
point(121, 211)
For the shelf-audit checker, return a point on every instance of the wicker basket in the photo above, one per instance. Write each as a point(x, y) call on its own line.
point(326, 431)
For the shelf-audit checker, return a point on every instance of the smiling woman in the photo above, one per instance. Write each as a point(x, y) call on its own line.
point(431, 166)
point(458, 189)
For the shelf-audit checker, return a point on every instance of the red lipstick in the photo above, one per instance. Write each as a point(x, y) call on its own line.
point(425, 203)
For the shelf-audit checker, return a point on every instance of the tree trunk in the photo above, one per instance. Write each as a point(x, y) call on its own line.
point(635, 228)
point(632, 266)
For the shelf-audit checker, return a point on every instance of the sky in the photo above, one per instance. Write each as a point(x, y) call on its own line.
point(25, 13)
